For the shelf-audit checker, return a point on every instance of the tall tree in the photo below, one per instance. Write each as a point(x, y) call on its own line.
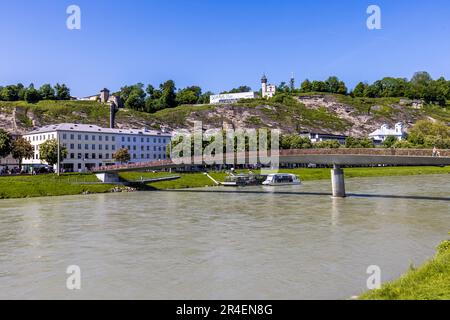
point(62, 92)
point(32, 95)
point(5, 143)
point(21, 149)
point(122, 155)
point(47, 92)
point(48, 152)
point(306, 86)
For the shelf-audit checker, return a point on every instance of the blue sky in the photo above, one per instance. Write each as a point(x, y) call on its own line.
point(219, 44)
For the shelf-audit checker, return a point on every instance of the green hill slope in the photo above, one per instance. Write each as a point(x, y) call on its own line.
point(316, 112)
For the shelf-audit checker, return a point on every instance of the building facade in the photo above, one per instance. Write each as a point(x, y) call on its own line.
point(231, 97)
point(91, 146)
point(267, 90)
point(384, 132)
point(319, 137)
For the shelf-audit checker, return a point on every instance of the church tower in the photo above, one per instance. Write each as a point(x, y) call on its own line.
point(264, 85)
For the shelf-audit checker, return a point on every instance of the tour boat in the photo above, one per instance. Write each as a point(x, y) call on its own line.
point(282, 180)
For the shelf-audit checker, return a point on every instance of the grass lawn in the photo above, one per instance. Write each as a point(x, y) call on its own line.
point(429, 282)
point(49, 185)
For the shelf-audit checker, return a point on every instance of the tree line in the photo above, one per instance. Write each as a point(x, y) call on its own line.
point(19, 92)
point(421, 86)
point(151, 99)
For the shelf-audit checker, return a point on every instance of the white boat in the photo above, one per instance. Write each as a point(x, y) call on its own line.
point(282, 180)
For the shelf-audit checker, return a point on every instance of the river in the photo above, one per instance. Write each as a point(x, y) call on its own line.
point(253, 243)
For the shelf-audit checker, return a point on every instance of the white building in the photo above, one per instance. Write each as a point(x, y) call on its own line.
point(90, 146)
point(231, 97)
point(384, 132)
point(267, 90)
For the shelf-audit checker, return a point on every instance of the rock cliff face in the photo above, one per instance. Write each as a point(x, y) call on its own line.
point(318, 113)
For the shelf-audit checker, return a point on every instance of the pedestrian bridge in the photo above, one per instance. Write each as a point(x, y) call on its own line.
point(338, 158)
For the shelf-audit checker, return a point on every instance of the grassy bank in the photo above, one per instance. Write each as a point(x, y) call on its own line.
point(73, 184)
point(50, 185)
point(429, 282)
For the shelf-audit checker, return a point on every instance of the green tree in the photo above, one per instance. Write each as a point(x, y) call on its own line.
point(238, 90)
point(47, 92)
point(306, 86)
point(390, 141)
point(21, 149)
point(168, 95)
point(189, 95)
point(48, 152)
point(122, 155)
point(205, 97)
point(10, 93)
point(402, 144)
point(360, 89)
point(5, 143)
point(430, 134)
point(32, 95)
point(62, 92)
point(328, 144)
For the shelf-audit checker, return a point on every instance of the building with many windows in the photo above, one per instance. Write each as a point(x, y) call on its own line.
point(91, 146)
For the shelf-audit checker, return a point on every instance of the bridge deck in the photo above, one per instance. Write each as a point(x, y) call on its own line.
point(407, 157)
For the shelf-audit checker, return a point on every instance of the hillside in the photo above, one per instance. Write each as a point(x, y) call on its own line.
point(316, 112)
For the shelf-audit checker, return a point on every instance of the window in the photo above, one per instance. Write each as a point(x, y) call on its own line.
point(107, 156)
point(159, 140)
point(106, 147)
point(107, 138)
point(72, 146)
point(100, 156)
point(123, 139)
point(154, 140)
point(93, 156)
point(142, 156)
point(134, 139)
point(100, 147)
point(72, 156)
point(93, 147)
point(113, 139)
point(134, 156)
point(148, 140)
point(86, 137)
point(86, 147)
point(129, 148)
point(100, 138)
point(134, 147)
point(142, 148)
point(113, 148)
point(79, 166)
point(79, 146)
point(79, 137)
point(154, 148)
point(142, 140)
point(148, 148)
point(128, 139)
point(80, 156)
point(72, 137)
point(93, 138)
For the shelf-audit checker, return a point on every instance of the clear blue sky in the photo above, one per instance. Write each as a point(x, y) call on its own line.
point(219, 44)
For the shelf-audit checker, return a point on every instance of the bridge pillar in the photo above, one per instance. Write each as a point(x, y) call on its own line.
point(338, 182)
point(108, 177)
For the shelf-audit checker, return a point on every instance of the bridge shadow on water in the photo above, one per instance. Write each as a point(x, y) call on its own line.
point(349, 195)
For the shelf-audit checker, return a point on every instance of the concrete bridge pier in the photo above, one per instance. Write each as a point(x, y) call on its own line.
point(108, 177)
point(338, 182)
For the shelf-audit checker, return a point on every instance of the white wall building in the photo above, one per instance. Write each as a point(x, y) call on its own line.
point(231, 97)
point(381, 134)
point(90, 146)
point(267, 90)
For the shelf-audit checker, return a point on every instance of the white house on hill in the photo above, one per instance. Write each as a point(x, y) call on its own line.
point(384, 132)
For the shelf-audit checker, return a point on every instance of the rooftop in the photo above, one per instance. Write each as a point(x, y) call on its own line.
point(96, 129)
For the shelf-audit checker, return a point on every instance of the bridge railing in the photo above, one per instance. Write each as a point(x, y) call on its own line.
point(283, 153)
